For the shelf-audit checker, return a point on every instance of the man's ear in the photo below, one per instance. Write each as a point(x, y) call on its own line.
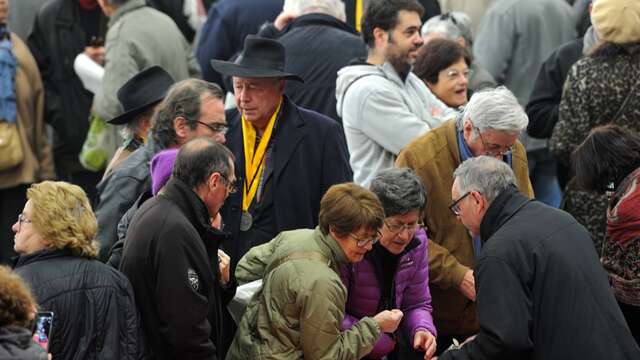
point(380, 36)
point(181, 128)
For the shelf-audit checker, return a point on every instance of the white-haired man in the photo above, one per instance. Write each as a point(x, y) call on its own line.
point(490, 125)
point(542, 293)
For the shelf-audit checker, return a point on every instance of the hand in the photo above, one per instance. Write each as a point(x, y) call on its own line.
point(224, 262)
point(425, 341)
point(4, 11)
point(388, 320)
point(468, 286)
point(95, 53)
point(284, 19)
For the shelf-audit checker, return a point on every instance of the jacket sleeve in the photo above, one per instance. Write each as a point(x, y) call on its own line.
point(39, 46)
point(254, 263)
point(416, 302)
point(118, 195)
point(566, 134)
point(215, 43)
point(120, 66)
point(42, 146)
point(544, 100)
point(491, 54)
point(322, 309)
point(378, 109)
point(335, 159)
point(182, 309)
point(504, 320)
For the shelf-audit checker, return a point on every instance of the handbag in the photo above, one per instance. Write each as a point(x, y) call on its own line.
point(11, 153)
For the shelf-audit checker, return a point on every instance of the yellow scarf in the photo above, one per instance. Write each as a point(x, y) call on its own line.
point(254, 160)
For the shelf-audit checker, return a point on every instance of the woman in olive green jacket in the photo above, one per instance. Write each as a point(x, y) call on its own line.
point(298, 312)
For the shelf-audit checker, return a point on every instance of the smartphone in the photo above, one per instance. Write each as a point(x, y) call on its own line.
point(42, 332)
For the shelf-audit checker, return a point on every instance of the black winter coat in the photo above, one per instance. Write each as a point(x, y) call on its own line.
point(541, 291)
point(94, 310)
point(55, 41)
point(16, 343)
point(317, 46)
point(171, 257)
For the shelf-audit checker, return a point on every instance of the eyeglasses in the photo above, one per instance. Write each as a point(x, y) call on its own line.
point(231, 186)
point(397, 228)
point(454, 207)
point(449, 16)
point(22, 220)
point(454, 74)
point(215, 127)
point(494, 149)
point(364, 242)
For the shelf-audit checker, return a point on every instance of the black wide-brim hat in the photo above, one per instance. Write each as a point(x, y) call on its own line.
point(260, 58)
point(143, 90)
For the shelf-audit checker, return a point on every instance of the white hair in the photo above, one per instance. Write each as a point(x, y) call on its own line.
point(484, 174)
point(496, 109)
point(333, 8)
point(451, 26)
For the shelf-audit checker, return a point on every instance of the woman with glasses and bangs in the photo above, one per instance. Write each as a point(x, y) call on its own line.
point(444, 66)
point(395, 273)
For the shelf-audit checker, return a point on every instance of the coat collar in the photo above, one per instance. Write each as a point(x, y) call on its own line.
point(41, 255)
point(127, 7)
point(507, 204)
point(193, 207)
point(329, 247)
point(320, 19)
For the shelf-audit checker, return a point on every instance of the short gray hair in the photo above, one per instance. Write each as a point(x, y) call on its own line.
point(484, 174)
point(451, 26)
point(496, 109)
point(400, 191)
point(333, 8)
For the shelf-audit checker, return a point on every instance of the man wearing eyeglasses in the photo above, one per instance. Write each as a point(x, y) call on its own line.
point(542, 293)
point(490, 125)
point(192, 108)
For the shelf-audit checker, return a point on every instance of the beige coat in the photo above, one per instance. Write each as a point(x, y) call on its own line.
point(434, 157)
point(38, 161)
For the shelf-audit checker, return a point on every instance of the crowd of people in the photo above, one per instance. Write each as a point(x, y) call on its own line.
point(385, 179)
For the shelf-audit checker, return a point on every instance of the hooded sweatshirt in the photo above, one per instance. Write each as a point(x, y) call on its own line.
point(381, 113)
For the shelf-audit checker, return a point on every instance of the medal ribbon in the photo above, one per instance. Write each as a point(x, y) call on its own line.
point(254, 160)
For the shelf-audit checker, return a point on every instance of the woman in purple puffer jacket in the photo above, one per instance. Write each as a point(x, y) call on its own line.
point(395, 274)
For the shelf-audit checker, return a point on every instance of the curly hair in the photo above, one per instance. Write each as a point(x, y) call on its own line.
point(63, 217)
point(16, 301)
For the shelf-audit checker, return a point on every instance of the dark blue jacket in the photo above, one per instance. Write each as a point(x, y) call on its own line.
point(228, 23)
point(317, 46)
point(309, 156)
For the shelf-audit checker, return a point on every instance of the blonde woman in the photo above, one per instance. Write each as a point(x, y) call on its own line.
point(93, 304)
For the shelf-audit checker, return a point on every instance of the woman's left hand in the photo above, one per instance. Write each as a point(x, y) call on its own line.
point(425, 341)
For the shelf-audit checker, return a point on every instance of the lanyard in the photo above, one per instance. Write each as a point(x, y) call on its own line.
point(254, 158)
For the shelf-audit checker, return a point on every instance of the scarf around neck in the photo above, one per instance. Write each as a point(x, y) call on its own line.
point(623, 216)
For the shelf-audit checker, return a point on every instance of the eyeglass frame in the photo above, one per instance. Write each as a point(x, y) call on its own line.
point(488, 152)
point(215, 127)
point(231, 186)
point(23, 220)
point(454, 207)
point(403, 227)
point(362, 243)
point(466, 74)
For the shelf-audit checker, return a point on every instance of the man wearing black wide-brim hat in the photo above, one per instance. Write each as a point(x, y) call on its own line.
point(139, 97)
point(286, 156)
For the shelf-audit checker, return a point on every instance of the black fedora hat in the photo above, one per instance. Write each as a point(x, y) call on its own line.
point(260, 58)
point(144, 89)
